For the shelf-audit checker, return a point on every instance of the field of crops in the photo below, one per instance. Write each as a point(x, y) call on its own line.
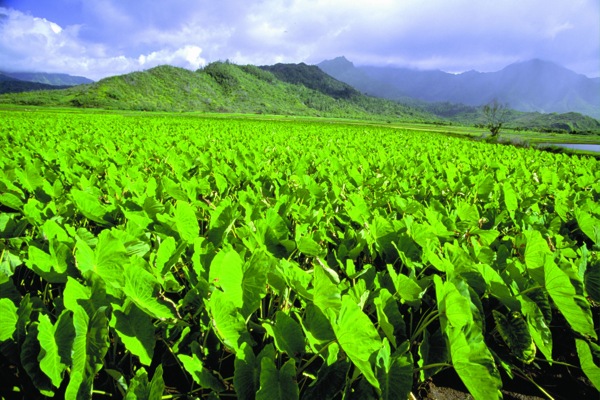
point(164, 256)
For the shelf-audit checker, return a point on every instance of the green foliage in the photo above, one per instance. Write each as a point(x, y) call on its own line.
point(226, 87)
point(313, 78)
point(283, 259)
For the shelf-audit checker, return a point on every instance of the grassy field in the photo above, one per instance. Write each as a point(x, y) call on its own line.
point(162, 255)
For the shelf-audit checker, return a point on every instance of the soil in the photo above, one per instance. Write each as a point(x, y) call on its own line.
point(448, 386)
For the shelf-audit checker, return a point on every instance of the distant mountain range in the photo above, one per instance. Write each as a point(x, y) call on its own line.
point(47, 78)
point(532, 86)
point(15, 82)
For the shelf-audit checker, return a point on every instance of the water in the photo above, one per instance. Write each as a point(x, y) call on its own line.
point(575, 146)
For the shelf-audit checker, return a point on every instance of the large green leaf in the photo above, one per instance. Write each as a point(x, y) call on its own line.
point(142, 288)
point(186, 221)
point(29, 361)
point(510, 199)
point(12, 201)
point(277, 384)
point(394, 372)
point(90, 298)
point(52, 267)
point(8, 322)
point(89, 348)
point(389, 317)
point(228, 323)
point(107, 260)
point(136, 330)
point(497, 287)
point(202, 376)
point(574, 307)
point(140, 389)
point(592, 280)
point(254, 282)
point(317, 327)
point(326, 294)
point(330, 380)
point(226, 272)
point(456, 307)
point(536, 249)
point(89, 205)
point(470, 356)
point(515, 332)
point(433, 350)
point(308, 246)
point(246, 373)
point(165, 251)
point(538, 327)
point(589, 357)
point(288, 335)
point(56, 342)
point(357, 336)
point(589, 225)
point(408, 290)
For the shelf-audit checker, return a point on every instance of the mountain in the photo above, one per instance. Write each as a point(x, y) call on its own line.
point(53, 79)
point(534, 86)
point(345, 71)
point(9, 84)
point(284, 89)
point(312, 77)
point(226, 87)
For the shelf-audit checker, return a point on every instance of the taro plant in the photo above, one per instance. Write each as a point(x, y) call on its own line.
point(154, 257)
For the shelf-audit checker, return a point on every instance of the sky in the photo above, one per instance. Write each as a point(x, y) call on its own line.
point(99, 38)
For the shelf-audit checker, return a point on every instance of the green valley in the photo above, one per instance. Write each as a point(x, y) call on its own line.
point(280, 89)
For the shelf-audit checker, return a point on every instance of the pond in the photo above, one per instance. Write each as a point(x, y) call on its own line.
point(575, 146)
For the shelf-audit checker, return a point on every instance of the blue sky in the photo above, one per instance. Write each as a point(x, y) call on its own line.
point(98, 38)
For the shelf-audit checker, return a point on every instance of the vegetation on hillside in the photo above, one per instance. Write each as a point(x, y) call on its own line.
point(219, 87)
point(312, 77)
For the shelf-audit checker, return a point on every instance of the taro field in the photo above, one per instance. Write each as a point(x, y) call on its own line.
point(188, 257)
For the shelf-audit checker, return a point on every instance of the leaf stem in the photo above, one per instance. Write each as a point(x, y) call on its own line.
point(525, 376)
point(313, 358)
point(424, 323)
point(556, 362)
point(531, 289)
point(434, 365)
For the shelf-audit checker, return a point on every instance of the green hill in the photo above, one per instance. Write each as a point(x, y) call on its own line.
point(223, 87)
point(314, 78)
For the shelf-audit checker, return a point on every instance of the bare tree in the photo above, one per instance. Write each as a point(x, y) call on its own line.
point(495, 114)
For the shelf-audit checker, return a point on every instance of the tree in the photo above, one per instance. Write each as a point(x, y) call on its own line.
point(495, 114)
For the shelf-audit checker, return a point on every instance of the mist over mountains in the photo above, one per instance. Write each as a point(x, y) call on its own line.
point(532, 86)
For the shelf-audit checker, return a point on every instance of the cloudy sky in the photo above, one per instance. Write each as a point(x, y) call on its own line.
point(98, 38)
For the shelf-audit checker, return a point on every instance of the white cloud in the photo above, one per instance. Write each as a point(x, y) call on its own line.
point(187, 57)
point(35, 44)
point(116, 37)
